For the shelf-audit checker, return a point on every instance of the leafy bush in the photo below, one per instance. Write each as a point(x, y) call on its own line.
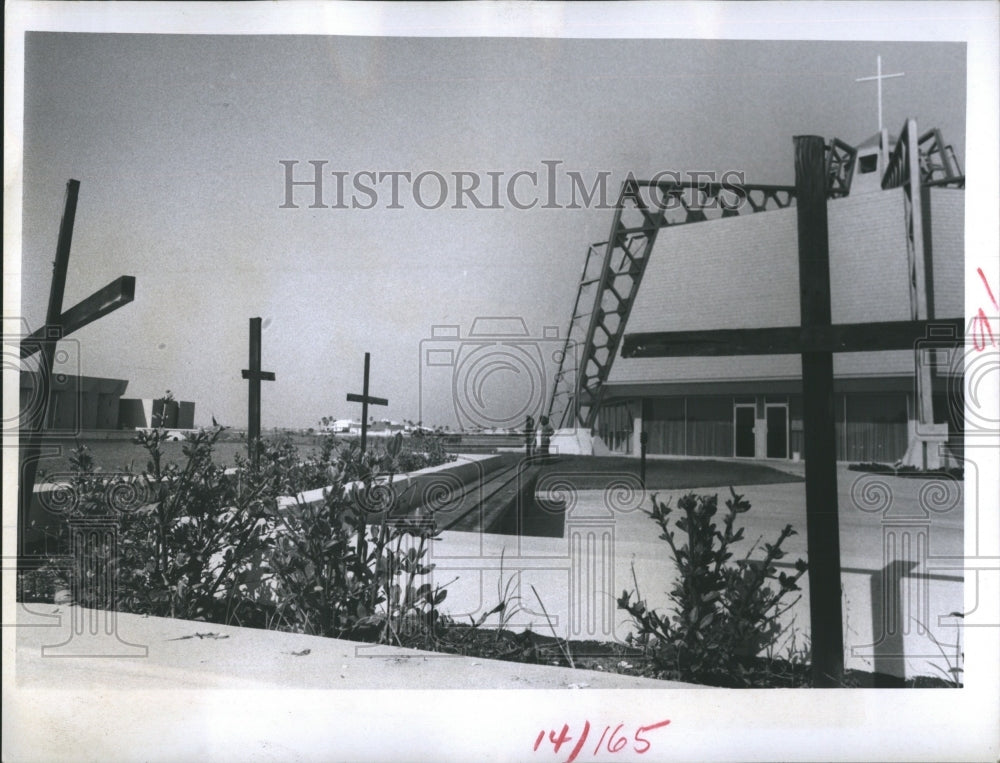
point(346, 568)
point(202, 542)
point(723, 615)
point(421, 453)
point(177, 538)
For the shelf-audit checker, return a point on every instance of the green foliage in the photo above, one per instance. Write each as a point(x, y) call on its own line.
point(421, 452)
point(345, 567)
point(724, 614)
point(182, 536)
point(202, 542)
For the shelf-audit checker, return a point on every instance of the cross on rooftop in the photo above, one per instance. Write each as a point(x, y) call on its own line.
point(365, 401)
point(878, 77)
point(255, 376)
point(59, 325)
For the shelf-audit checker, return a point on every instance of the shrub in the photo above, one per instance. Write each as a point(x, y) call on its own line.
point(724, 615)
point(176, 540)
point(197, 542)
point(346, 568)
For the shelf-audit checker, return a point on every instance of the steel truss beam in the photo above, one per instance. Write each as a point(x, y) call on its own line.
point(613, 269)
point(613, 272)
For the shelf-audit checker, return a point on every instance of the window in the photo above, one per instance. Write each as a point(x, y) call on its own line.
point(867, 163)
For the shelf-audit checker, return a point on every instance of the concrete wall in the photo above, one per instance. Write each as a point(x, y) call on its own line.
point(742, 272)
point(147, 412)
point(75, 403)
point(134, 413)
point(185, 415)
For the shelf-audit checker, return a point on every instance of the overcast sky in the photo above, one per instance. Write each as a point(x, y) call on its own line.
point(178, 142)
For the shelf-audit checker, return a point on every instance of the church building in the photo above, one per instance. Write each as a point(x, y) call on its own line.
point(741, 271)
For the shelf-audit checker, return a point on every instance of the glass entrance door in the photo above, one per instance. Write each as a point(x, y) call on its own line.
point(744, 421)
point(777, 430)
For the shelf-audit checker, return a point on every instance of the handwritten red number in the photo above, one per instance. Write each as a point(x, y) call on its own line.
point(988, 289)
point(617, 746)
point(644, 729)
point(616, 742)
point(981, 322)
point(579, 744)
point(600, 741)
point(563, 737)
point(979, 337)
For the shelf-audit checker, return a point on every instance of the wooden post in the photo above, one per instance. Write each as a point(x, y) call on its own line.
point(822, 520)
point(643, 444)
point(364, 398)
point(816, 340)
point(255, 376)
point(364, 406)
point(51, 333)
point(58, 325)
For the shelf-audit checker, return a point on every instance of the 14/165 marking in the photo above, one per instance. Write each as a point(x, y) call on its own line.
point(616, 742)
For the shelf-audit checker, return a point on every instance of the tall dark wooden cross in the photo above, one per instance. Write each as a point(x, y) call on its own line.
point(58, 325)
point(365, 399)
point(255, 377)
point(816, 340)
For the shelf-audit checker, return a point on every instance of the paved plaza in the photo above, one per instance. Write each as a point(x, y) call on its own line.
point(901, 543)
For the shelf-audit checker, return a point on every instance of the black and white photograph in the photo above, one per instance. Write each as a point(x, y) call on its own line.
point(501, 381)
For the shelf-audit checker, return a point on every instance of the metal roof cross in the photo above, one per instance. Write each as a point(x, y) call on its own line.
point(878, 77)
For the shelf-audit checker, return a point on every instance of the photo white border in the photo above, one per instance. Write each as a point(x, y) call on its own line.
point(707, 724)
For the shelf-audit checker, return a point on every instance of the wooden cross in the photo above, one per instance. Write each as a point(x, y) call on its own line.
point(816, 340)
point(879, 76)
point(58, 325)
point(255, 376)
point(365, 401)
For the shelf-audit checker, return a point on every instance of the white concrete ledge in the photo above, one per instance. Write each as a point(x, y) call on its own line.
point(156, 653)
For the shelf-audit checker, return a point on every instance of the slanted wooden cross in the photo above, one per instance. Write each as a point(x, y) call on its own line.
point(816, 340)
point(58, 325)
point(255, 376)
point(365, 401)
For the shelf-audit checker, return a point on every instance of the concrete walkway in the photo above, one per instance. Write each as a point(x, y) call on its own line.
point(901, 543)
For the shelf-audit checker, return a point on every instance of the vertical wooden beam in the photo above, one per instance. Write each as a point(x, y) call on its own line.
point(30, 440)
point(253, 407)
point(918, 274)
point(822, 521)
point(255, 377)
point(364, 406)
point(365, 401)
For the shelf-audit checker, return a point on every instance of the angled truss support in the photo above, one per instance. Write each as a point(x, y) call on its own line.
point(613, 272)
point(613, 269)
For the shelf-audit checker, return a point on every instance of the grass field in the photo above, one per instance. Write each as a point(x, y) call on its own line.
point(111, 455)
point(584, 472)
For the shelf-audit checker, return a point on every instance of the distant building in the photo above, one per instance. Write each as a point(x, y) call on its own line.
point(79, 403)
point(75, 403)
point(147, 412)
